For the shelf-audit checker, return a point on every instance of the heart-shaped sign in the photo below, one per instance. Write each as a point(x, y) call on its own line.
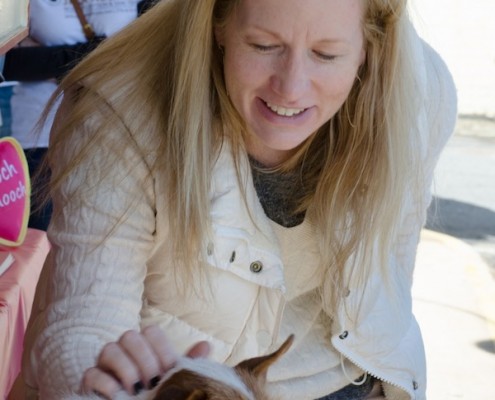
point(15, 191)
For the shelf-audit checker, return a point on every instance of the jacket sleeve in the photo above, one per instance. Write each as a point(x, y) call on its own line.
point(102, 233)
point(441, 108)
point(38, 63)
point(145, 5)
point(440, 111)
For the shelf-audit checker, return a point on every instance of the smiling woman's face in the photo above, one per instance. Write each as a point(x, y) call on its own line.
point(289, 65)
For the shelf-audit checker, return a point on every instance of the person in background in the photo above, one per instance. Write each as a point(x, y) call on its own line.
point(232, 172)
point(56, 42)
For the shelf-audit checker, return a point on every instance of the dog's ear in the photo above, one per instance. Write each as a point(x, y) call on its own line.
point(258, 366)
point(174, 392)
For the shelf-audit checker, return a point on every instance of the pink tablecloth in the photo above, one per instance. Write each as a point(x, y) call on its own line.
point(17, 287)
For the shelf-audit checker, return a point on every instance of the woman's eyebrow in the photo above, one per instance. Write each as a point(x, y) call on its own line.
point(323, 41)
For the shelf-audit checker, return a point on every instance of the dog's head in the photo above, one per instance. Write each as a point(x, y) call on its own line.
point(203, 380)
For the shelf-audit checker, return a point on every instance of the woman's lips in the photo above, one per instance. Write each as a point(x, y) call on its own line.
point(284, 111)
point(280, 114)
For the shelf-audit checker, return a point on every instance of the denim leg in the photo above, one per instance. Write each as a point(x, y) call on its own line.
point(352, 392)
point(5, 113)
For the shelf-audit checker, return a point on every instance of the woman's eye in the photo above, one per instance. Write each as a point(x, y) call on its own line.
point(263, 48)
point(324, 56)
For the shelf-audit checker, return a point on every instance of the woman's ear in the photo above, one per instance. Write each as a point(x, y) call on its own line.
point(219, 36)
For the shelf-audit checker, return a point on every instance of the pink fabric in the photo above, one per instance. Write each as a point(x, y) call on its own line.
point(17, 287)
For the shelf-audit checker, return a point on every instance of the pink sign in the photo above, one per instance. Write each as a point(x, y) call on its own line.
point(15, 190)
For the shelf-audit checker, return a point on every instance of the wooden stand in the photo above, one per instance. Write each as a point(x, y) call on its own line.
point(13, 23)
point(11, 41)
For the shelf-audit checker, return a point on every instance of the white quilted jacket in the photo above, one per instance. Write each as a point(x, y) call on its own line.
point(97, 297)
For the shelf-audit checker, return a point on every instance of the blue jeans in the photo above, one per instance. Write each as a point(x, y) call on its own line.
point(352, 392)
point(6, 116)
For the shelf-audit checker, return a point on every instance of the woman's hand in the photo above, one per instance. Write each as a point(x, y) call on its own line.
point(135, 362)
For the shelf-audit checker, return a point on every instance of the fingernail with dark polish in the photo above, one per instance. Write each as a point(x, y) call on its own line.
point(154, 381)
point(98, 394)
point(138, 387)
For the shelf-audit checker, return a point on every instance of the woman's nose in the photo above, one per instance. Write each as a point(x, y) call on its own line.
point(291, 77)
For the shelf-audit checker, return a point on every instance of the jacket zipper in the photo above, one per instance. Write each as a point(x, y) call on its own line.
point(366, 370)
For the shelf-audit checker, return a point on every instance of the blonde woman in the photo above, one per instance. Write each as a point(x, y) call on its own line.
point(231, 172)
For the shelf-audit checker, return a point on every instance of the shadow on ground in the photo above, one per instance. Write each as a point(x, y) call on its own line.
point(487, 345)
point(461, 220)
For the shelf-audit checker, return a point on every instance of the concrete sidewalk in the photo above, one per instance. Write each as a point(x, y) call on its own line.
point(454, 302)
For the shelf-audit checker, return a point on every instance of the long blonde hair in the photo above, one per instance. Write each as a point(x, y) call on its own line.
point(166, 70)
